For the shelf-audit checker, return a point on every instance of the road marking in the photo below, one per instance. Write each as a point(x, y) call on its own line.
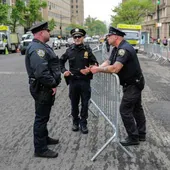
point(9, 73)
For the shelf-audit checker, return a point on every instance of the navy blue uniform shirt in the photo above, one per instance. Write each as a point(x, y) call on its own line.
point(78, 56)
point(126, 55)
point(42, 64)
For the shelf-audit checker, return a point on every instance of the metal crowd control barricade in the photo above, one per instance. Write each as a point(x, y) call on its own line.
point(106, 99)
point(157, 52)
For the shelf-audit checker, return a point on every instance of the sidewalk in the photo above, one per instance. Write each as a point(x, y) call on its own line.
point(76, 149)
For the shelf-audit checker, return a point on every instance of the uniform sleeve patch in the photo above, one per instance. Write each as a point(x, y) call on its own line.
point(40, 53)
point(121, 52)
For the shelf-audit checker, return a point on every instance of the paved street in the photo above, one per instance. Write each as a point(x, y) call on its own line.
point(75, 149)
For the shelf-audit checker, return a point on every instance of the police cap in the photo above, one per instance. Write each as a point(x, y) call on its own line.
point(39, 26)
point(115, 31)
point(78, 32)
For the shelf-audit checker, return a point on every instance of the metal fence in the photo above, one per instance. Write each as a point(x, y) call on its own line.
point(106, 99)
point(157, 52)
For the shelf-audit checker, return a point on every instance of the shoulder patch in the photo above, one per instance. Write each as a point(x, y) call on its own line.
point(40, 53)
point(121, 52)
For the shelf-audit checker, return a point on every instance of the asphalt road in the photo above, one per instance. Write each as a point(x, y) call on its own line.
point(75, 149)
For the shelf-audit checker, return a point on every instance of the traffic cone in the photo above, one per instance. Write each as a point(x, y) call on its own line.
point(6, 51)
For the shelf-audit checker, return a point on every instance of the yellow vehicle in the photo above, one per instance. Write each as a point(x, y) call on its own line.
point(133, 34)
point(8, 41)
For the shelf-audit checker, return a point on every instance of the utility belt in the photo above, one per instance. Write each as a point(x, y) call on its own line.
point(138, 80)
point(36, 86)
point(76, 77)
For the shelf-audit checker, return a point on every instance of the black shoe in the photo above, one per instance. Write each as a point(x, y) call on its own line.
point(75, 127)
point(129, 141)
point(51, 141)
point(142, 138)
point(84, 129)
point(47, 154)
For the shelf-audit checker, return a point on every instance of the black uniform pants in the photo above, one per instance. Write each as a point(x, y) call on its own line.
point(132, 113)
point(79, 89)
point(43, 103)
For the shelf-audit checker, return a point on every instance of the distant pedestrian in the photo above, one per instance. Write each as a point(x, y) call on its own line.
point(165, 41)
point(78, 77)
point(42, 66)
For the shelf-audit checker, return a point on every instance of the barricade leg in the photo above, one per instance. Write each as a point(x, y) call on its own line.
point(103, 147)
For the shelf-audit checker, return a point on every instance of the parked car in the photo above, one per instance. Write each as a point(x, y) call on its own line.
point(56, 43)
point(26, 41)
point(63, 42)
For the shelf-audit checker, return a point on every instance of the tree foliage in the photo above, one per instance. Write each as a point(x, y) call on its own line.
point(3, 13)
point(95, 27)
point(16, 18)
point(32, 13)
point(51, 24)
point(132, 11)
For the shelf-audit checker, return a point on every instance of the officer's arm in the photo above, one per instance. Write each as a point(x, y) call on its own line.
point(55, 67)
point(115, 68)
point(121, 59)
point(41, 71)
point(63, 60)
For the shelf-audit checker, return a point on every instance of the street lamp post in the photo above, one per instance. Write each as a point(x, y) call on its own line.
point(61, 25)
point(158, 25)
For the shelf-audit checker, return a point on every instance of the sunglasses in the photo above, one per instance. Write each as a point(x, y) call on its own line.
point(75, 37)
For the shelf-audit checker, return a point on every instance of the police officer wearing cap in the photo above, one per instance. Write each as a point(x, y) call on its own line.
point(78, 77)
point(44, 75)
point(124, 62)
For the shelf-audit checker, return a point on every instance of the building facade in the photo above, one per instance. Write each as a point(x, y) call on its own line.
point(60, 11)
point(157, 24)
point(77, 12)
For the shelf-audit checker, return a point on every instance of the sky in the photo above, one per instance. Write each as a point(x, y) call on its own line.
point(100, 9)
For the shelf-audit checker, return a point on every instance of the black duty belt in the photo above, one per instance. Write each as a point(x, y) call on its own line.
point(133, 80)
point(76, 77)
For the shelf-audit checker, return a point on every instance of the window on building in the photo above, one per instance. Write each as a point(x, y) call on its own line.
point(76, 1)
point(77, 11)
point(77, 6)
point(71, 6)
point(169, 30)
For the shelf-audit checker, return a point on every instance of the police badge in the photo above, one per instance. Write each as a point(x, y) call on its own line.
point(121, 52)
point(86, 55)
point(41, 53)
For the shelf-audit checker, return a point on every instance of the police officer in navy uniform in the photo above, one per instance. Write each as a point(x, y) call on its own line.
point(78, 76)
point(44, 74)
point(124, 62)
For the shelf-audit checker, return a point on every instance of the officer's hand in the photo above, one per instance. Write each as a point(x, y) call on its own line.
point(54, 91)
point(67, 73)
point(85, 71)
point(94, 69)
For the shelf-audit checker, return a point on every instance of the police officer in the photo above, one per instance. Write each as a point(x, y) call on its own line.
point(78, 76)
point(124, 62)
point(44, 74)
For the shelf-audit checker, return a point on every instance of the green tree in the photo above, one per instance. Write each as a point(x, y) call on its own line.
point(95, 27)
point(16, 14)
point(131, 11)
point(51, 24)
point(32, 13)
point(3, 13)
